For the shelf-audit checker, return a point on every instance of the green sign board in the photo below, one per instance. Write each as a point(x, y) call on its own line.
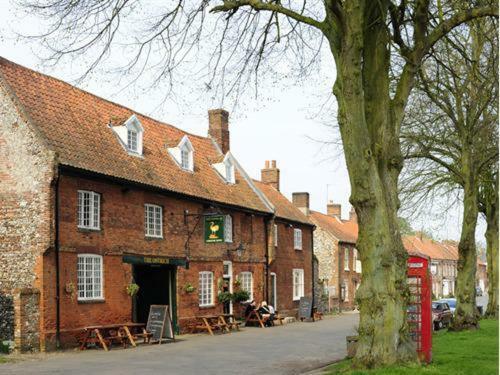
point(214, 229)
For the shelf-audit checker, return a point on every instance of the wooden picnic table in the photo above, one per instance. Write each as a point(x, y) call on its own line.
point(210, 323)
point(255, 317)
point(231, 321)
point(106, 335)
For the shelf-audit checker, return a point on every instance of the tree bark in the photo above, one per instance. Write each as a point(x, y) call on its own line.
point(371, 146)
point(466, 314)
point(492, 257)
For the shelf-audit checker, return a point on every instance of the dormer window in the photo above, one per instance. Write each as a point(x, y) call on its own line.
point(229, 171)
point(226, 169)
point(185, 158)
point(183, 154)
point(132, 140)
point(130, 135)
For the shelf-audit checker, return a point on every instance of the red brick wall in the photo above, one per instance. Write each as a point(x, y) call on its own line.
point(286, 258)
point(188, 303)
point(122, 230)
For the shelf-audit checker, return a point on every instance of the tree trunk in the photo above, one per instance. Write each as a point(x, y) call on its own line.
point(466, 315)
point(492, 257)
point(373, 157)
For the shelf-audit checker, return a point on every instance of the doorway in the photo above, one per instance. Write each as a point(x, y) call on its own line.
point(228, 285)
point(273, 296)
point(156, 287)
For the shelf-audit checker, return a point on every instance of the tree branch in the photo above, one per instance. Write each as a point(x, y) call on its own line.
point(464, 16)
point(234, 5)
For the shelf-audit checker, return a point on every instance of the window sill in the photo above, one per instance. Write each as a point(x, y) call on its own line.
point(88, 230)
point(153, 238)
point(206, 306)
point(90, 301)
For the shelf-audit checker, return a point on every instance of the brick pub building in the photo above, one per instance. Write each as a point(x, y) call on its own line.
point(291, 248)
point(97, 199)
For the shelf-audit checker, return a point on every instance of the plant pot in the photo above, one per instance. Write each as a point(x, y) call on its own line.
point(352, 345)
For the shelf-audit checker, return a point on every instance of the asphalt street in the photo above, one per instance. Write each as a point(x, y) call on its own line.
point(290, 349)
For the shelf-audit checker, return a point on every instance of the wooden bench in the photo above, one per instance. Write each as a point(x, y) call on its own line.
point(255, 317)
point(230, 321)
point(135, 331)
point(104, 336)
point(211, 323)
point(317, 315)
point(107, 335)
point(279, 318)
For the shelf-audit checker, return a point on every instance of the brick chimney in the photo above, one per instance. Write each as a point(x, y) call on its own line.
point(271, 175)
point(352, 215)
point(301, 201)
point(218, 128)
point(334, 209)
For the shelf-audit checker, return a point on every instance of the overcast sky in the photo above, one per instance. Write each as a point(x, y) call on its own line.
point(283, 125)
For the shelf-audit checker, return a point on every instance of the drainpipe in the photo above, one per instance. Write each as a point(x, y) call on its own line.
point(339, 293)
point(312, 264)
point(56, 252)
point(267, 268)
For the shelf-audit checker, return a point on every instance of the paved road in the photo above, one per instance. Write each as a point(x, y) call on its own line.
point(291, 349)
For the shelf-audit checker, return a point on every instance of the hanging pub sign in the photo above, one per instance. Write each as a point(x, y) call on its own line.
point(214, 228)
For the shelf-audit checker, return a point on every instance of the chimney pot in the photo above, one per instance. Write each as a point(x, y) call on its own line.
point(271, 175)
point(218, 128)
point(301, 201)
point(334, 209)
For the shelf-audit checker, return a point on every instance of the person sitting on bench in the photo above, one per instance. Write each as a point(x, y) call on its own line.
point(267, 314)
point(250, 307)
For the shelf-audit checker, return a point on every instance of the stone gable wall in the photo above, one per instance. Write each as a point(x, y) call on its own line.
point(26, 172)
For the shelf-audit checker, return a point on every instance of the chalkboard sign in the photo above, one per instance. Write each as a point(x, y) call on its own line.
point(159, 323)
point(305, 308)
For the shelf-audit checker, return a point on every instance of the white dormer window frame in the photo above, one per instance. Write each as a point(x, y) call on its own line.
point(226, 169)
point(132, 140)
point(131, 135)
point(183, 154)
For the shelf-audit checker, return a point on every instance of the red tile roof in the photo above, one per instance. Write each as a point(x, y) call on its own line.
point(284, 208)
point(75, 124)
point(347, 231)
point(433, 249)
point(343, 230)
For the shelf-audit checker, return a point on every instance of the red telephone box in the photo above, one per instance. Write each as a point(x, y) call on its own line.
point(419, 309)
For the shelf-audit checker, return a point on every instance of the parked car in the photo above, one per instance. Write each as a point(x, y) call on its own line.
point(452, 303)
point(479, 291)
point(441, 315)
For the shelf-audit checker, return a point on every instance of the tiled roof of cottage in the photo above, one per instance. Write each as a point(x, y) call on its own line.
point(284, 209)
point(76, 125)
point(344, 230)
point(433, 249)
point(347, 231)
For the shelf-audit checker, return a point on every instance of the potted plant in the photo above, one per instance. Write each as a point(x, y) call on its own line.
point(189, 288)
point(224, 297)
point(132, 289)
point(240, 296)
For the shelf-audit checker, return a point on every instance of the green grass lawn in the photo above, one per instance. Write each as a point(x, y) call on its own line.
point(473, 352)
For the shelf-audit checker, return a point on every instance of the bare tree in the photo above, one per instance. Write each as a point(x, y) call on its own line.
point(361, 35)
point(451, 136)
